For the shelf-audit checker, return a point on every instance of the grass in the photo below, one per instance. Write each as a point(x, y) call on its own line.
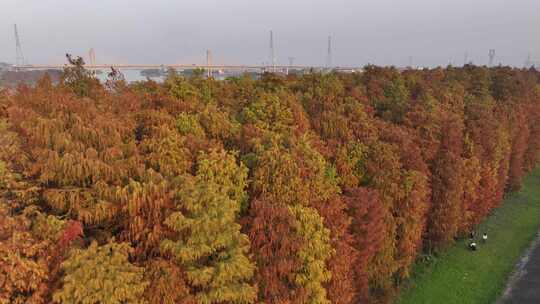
point(461, 276)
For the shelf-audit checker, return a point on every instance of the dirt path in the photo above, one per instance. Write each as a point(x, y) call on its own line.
point(524, 285)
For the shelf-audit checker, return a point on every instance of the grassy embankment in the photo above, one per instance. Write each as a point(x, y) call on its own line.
point(461, 276)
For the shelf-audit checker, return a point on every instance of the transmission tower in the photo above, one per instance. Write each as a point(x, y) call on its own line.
point(291, 61)
point(208, 63)
point(465, 58)
point(19, 56)
point(491, 57)
point(92, 57)
point(528, 62)
point(272, 52)
point(329, 53)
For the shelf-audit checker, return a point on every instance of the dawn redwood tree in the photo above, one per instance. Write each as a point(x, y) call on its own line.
point(101, 274)
point(167, 283)
point(368, 231)
point(532, 155)
point(414, 196)
point(504, 154)
point(383, 173)
point(338, 180)
point(520, 139)
point(411, 219)
point(313, 273)
point(78, 153)
point(220, 167)
point(298, 178)
point(270, 112)
point(146, 204)
point(23, 264)
point(164, 150)
point(483, 130)
point(32, 243)
point(447, 185)
point(277, 177)
point(274, 244)
point(342, 286)
point(350, 162)
point(472, 175)
point(209, 244)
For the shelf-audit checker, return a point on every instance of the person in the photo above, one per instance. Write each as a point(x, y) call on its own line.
point(471, 235)
point(472, 246)
point(484, 237)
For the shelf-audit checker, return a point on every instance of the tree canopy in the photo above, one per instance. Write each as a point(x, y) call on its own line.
point(309, 188)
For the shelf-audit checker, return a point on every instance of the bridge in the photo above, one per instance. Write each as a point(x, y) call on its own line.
point(184, 66)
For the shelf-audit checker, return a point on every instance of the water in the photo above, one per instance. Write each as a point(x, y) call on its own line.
point(135, 75)
point(129, 75)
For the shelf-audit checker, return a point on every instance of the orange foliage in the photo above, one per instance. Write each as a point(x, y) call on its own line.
point(348, 177)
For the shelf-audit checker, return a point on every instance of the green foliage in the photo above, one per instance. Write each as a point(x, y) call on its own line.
point(269, 112)
point(318, 175)
point(179, 87)
point(310, 188)
point(167, 153)
point(217, 124)
point(79, 80)
point(189, 124)
point(210, 245)
point(277, 177)
point(101, 274)
point(395, 104)
point(511, 230)
point(351, 164)
point(314, 254)
point(220, 167)
point(46, 226)
point(3, 174)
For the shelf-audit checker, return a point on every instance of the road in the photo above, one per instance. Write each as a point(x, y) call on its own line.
point(524, 285)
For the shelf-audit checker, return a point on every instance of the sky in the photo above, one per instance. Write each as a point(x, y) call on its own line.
point(382, 32)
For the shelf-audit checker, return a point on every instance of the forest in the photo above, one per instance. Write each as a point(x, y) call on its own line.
point(317, 188)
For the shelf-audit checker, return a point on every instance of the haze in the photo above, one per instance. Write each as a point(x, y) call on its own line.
point(383, 32)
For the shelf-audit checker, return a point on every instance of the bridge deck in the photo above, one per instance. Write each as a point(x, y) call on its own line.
point(180, 66)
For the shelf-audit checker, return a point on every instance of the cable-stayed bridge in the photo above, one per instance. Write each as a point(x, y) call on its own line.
point(281, 68)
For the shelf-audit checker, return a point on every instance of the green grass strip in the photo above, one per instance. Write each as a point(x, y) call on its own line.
point(461, 276)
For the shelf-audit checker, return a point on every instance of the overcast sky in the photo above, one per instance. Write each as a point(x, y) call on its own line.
point(383, 32)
